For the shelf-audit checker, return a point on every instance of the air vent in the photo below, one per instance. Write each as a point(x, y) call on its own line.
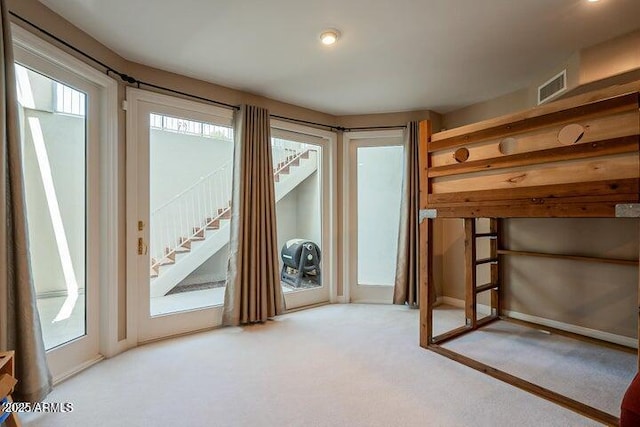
point(556, 85)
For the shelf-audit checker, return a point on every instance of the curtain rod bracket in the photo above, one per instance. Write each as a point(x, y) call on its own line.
point(127, 78)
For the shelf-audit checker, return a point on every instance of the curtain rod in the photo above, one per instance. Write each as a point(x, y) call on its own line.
point(133, 81)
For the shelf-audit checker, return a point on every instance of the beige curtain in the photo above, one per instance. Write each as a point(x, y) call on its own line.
point(406, 285)
point(19, 320)
point(253, 291)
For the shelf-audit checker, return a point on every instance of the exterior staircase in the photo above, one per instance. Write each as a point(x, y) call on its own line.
point(195, 224)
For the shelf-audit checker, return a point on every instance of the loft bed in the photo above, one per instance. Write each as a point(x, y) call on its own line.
point(574, 158)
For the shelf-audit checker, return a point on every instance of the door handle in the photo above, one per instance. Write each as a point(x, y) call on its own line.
point(142, 248)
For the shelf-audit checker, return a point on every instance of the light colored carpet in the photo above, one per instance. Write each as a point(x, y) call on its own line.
point(336, 365)
point(588, 373)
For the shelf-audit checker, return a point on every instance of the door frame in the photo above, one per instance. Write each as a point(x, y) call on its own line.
point(350, 142)
point(161, 326)
point(329, 211)
point(102, 213)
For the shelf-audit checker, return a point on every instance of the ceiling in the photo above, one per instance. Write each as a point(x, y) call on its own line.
point(393, 55)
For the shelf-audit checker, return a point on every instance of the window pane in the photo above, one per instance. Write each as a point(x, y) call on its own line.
point(298, 189)
point(379, 192)
point(190, 203)
point(54, 159)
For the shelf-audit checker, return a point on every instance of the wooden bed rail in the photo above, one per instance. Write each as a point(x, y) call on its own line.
point(578, 161)
point(578, 157)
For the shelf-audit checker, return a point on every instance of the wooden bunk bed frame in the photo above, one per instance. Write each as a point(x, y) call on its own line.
point(574, 158)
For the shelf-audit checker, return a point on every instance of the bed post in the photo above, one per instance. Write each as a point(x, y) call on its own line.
point(496, 268)
point(425, 238)
point(576, 158)
point(470, 306)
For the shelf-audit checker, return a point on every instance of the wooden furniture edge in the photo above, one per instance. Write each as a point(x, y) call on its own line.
point(576, 200)
point(620, 145)
point(545, 393)
point(7, 371)
point(426, 289)
point(553, 107)
point(618, 261)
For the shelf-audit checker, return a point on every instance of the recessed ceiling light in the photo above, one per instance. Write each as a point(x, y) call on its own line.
point(329, 37)
point(592, 1)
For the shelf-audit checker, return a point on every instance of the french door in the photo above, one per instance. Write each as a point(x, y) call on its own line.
point(67, 139)
point(304, 164)
point(373, 196)
point(179, 174)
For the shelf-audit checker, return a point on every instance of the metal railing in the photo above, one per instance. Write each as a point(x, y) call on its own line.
point(187, 214)
point(184, 217)
point(284, 152)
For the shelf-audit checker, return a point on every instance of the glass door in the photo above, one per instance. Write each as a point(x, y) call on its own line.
point(302, 185)
point(375, 175)
point(59, 126)
point(180, 157)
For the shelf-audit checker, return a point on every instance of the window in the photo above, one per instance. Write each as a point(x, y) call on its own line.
point(68, 100)
point(190, 127)
point(68, 133)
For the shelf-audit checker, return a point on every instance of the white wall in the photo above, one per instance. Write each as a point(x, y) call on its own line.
point(298, 215)
point(64, 140)
point(379, 194)
point(178, 161)
point(287, 217)
point(309, 212)
point(212, 270)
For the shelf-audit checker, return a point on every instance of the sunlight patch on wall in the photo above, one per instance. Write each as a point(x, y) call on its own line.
point(25, 94)
point(56, 220)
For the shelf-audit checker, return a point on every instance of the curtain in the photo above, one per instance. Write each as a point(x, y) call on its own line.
point(253, 292)
point(407, 266)
point(19, 320)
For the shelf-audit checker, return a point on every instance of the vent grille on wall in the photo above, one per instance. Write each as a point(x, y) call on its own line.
point(557, 84)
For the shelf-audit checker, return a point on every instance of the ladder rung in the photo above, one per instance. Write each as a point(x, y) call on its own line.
point(486, 287)
point(485, 261)
point(486, 235)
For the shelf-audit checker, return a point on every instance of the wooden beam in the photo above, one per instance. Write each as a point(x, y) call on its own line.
point(595, 129)
point(574, 405)
point(426, 288)
point(532, 119)
point(497, 295)
point(454, 333)
point(486, 286)
point(487, 320)
point(626, 144)
point(470, 298)
point(556, 210)
point(577, 171)
point(629, 262)
point(614, 198)
point(495, 267)
point(593, 188)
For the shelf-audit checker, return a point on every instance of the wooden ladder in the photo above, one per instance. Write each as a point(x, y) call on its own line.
point(472, 289)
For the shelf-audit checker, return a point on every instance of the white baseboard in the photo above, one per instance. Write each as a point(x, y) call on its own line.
point(587, 332)
point(66, 375)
